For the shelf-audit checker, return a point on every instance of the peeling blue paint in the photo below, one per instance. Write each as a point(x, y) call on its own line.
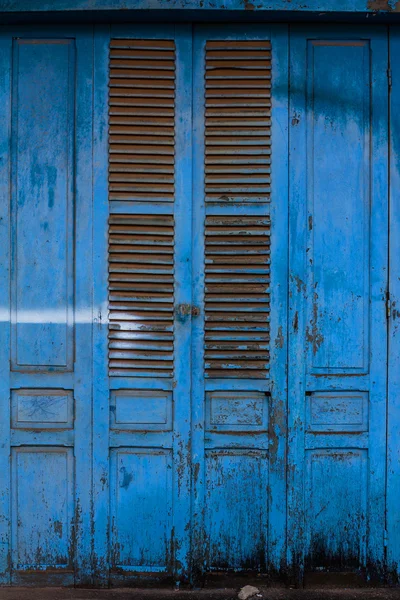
point(346, 6)
point(178, 477)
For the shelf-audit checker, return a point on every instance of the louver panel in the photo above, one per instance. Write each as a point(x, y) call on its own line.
point(142, 120)
point(238, 125)
point(141, 295)
point(237, 300)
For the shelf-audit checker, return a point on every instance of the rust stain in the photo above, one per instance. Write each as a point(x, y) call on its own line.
point(275, 431)
point(313, 336)
point(295, 119)
point(296, 322)
point(126, 478)
point(300, 285)
point(280, 340)
point(58, 528)
point(384, 5)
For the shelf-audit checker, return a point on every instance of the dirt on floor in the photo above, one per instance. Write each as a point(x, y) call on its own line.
point(21, 593)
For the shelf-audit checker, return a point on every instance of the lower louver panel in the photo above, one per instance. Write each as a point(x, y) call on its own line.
point(141, 295)
point(237, 300)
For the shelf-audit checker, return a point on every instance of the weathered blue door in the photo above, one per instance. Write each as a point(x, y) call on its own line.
point(46, 305)
point(240, 284)
point(338, 289)
point(142, 407)
point(193, 357)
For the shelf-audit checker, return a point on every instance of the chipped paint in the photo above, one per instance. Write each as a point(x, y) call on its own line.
point(313, 335)
point(304, 6)
point(384, 5)
point(212, 440)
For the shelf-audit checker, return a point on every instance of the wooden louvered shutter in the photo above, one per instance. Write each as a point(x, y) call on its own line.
point(141, 173)
point(237, 172)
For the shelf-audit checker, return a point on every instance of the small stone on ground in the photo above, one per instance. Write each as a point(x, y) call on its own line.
point(248, 591)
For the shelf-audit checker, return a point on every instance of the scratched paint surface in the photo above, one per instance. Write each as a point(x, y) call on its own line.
point(178, 345)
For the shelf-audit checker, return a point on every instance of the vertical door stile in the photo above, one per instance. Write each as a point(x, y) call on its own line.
point(198, 562)
point(296, 318)
point(83, 308)
point(393, 471)
point(101, 412)
point(378, 340)
point(182, 448)
point(279, 298)
point(5, 333)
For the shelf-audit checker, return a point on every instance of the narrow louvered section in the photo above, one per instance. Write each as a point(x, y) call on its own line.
point(238, 126)
point(141, 295)
point(237, 300)
point(142, 120)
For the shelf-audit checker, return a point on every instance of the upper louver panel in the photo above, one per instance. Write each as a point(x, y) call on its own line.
point(142, 120)
point(238, 121)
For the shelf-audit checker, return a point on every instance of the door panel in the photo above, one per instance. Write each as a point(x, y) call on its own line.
point(239, 286)
point(46, 305)
point(338, 275)
point(42, 203)
point(145, 444)
point(141, 508)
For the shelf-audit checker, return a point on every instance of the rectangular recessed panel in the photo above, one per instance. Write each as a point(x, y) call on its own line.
point(336, 509)
point(236, 411)
point(136, 410)
point(238, 121)
point(141, 508)
point(339, 173)
point(41, 409)
point(141, 295)
point(42, 177)
point(42, 508)
point(337, 412)
point(236, 509)
point(237, 299)
point(142, 120)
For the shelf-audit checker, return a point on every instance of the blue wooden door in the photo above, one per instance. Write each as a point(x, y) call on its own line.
point(189, 412)
point(338, 290)
point(46, 319)
point(142, 406)
point(240, 286)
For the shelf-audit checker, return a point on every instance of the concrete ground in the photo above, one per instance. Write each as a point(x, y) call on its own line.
point(205, 594)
